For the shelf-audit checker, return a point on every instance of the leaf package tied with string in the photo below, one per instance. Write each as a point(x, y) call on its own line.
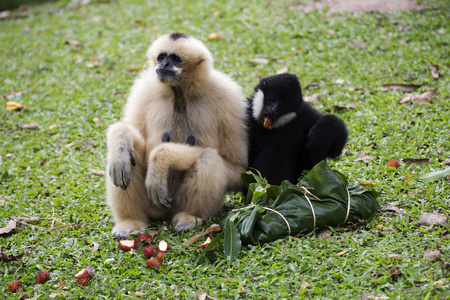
point(323, 198)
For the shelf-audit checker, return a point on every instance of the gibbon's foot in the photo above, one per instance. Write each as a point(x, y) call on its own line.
point(120, 168)
point(185, 222)
point(126, 227)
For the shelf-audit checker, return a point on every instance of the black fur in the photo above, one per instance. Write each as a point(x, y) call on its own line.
point(176, 35)
point(283, 152)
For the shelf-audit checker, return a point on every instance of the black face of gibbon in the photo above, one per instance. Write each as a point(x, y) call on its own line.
point(168, 66)
point(286, 134)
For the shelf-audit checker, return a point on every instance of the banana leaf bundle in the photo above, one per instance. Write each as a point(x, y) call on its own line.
point(323, 198)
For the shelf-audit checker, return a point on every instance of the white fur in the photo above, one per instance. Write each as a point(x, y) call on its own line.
point(258, 103)
point(283, 120)
point(215, 107)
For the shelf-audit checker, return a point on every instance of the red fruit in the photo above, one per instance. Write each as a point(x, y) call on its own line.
point(144, 238)
point(160, 255)
point(162, 246)
point(127, 245)
point(83, 280)
point(154, 262)
point(393, 163)
point(14, 286)
point(42, 277)
point(149, 251)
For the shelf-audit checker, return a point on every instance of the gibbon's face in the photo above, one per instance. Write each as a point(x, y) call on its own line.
point(179, 58)
point(276, 100)
point(169, 66)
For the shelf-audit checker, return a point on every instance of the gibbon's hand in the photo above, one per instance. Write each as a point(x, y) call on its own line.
point(120, 167)
point(157, 190)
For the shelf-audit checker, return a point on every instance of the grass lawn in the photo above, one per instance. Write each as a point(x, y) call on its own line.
point(72, 68)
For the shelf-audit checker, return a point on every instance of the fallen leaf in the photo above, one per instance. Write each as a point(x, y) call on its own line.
point(139, 294)
point(282, 70)
point(259, 61)
point(325, 235)
point(428, 219)
point(434, 69)
point(96, 19)
point(312, 98)
point(364, 155)
point(14, 94)
point(135, 70)
point(53, 127)
point(421, 99)
point(29, 126)
point(97, 172)
point(73, 43)
point(393, 207)
point(416, 161)
point(241, 290)
point(337, 108)
point(395, 273)
point(202, 295)
point(440, 282)
point(394, 256)
point(93, 63)
point(341, 253)
point(314, 86)
point(9, 227)
point(400, 86)
point(213, 36)
point(372, 296)
point(95, 248)
point(10, 257)
point(96, 120)
point(432, 256)
point(447, 161)
point(12, 106)
point(213, 228)
point(379, 227)
point(340, 81)
point(304, 284)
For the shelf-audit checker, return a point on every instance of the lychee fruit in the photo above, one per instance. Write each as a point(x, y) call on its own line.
point(162, 246)
point(42, 277)
point(160, 255)
point(149, 251)
point(127, 245)
point(206, 243)
point(14, 286)
point(393, 163)
point(154, 262)
point(144, 238)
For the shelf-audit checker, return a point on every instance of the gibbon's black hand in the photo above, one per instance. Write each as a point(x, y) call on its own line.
point(120, 169)
point(158, 193)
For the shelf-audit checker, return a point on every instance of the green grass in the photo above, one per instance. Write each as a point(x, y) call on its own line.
point(44, 173)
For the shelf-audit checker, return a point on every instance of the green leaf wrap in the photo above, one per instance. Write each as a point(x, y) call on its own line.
point(274, 207)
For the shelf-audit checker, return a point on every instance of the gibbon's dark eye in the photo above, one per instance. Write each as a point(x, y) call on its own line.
point(176, 59)
point(161, 57)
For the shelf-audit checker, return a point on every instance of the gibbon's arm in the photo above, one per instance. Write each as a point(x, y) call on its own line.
point(122, 138)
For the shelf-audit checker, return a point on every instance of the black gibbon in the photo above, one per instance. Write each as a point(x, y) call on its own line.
point(286, 134)
point(182, 142)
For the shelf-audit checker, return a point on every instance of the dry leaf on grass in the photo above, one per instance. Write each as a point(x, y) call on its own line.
point(421, 99)
point(432, 256)
point(259, 61)
point(428, 219)
point(29, 126)
point(434, 70)
point(400, 87)
point(341, 253)
point(393, 207)
point(394, 256)
point(416, 161)
point(12, 105)
point(10, 257)
point(325, 235)
point(97, 172)
point(73, 43)
point(9, 227)
point(364, 155)
point(395, 273)
point(282, 70)
point(312, 98)
point(213, 228)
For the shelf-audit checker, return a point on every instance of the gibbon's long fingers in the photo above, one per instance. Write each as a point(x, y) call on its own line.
point(156, 184)
point(120, 168)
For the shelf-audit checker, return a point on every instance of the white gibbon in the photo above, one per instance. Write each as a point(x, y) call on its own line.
point(182, 142)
